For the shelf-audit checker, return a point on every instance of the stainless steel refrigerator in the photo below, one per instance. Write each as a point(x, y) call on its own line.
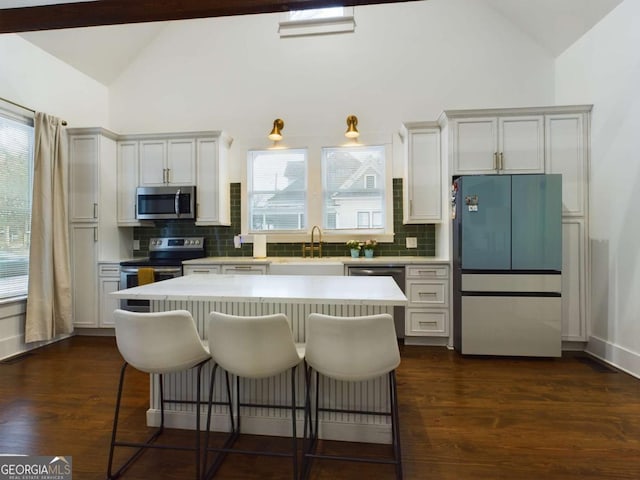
point(507, 262)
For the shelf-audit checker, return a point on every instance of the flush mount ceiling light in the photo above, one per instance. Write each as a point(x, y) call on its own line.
point(352, 131)
point(276, 131)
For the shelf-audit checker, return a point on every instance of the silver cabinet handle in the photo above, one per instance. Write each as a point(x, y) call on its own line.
point(168, 175)
point(495, 161)
point(164, 175)
point(241, 267)
point(110, 269)
point(500, 162)
point(427, 272)
point(95, 234)
point(424, 324)
point(95, 210)
point(427, 294)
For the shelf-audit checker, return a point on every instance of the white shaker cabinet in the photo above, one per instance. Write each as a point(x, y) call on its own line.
point(427, 289)
point(127, 183)
point(574, 281)
point(212, 186)
point(497, 144)
point(84, 274)
point(566, 150)
point(108, 282)
point(167, 162)
point(422, 182)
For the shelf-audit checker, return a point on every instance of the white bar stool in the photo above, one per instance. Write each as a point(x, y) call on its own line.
point(350, 349)
point(252, 347)
point(159, 343)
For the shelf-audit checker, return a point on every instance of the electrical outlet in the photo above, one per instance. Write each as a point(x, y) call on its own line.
point(136, 244)
point(412, 242)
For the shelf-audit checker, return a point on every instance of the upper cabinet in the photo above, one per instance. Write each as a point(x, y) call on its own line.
point(422, 182)
point(497, 144)
point(566, 150)
point(197, 158)
point(84, 178)
point(167, 162)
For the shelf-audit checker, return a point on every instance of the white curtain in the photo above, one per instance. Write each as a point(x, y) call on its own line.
point(49, 295)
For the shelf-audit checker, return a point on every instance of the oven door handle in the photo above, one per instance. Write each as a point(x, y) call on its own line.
point(176, 204)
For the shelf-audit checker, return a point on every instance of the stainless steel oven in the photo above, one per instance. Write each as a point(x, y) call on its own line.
point(165, 258)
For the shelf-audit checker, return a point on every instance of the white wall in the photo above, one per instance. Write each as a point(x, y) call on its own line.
point(33, 78)
point(603, 68)
point(405, 62)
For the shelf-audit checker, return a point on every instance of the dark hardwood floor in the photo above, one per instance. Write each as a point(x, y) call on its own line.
point(462, 418)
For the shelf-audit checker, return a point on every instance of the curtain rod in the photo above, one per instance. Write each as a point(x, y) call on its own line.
point(64, 122)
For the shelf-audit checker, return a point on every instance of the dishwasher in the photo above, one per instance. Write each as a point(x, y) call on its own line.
point(386, 271)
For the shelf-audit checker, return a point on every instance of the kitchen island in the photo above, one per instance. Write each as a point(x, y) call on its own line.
point(296, 296)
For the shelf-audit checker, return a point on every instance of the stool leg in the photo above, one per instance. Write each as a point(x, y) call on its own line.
point(198, 388)
point(395, 424)
point(115, 420)
point(208, 424)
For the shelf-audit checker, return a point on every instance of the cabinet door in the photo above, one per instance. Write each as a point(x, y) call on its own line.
point(208, 209)
point(83, 178)
point(153, 162)
point(107, 302)
point(181, 162)
point(521, 146)
point(475, 145)
point(423, 182)
point(565, 149)
point(574, 322)
point(127, 182)
point(84, 275)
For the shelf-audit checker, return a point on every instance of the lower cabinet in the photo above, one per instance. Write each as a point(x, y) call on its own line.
point(108, 282)
point(84, 275)
point(427, 289)
point(574, 310)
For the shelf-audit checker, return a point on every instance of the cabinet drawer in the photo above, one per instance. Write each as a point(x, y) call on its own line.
point(245, 269)
point(427, 322)
point(425, 293)
point(427, 271)
point(210, 269)
point(109, 270)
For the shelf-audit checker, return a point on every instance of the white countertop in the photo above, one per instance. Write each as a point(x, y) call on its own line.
point(382, 260)
point(272, 289)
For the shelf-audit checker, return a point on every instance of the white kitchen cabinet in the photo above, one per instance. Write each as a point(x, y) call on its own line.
point(94, 232)
point(427, 289)
point(422, 182)
point(108, 282)
point(244, 269)
point(84, 274)
point(212, 186)
point(496, 144)
point(127, 183)
point(574, 281)
point(566, 150)
point(169, 161)
point(207, 269)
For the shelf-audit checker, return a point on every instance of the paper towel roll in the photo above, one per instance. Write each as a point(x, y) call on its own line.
point(259, 246)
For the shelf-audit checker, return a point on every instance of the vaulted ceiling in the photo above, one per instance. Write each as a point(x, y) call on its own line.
point(108, 34)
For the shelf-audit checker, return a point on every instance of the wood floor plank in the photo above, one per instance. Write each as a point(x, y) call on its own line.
point(462, 418)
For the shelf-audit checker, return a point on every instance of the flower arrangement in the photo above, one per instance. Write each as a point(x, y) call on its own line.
point(353, 245)
point(370, 245)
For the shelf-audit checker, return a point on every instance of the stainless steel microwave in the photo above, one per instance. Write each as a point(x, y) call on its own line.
point(159, 203)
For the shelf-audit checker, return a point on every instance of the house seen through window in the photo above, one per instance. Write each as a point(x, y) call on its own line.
point(16, 180)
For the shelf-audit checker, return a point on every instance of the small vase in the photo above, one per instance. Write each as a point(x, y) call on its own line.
point(355, 253)
point(368, 253)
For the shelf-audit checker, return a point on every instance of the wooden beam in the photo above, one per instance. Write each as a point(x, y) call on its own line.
point(112, 12)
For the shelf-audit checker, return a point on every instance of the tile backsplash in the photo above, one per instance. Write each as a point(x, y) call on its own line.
point(219, 240)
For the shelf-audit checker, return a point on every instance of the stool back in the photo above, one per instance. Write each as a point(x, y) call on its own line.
point(252, 347)
point(161, 342)
point(352, 348)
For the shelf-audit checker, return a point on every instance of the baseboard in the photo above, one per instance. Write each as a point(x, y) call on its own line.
point(615, 355)
point(14, 346)
point(281, 427)
point(427, 341)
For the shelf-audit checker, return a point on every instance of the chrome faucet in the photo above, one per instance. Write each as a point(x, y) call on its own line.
point(313, 247)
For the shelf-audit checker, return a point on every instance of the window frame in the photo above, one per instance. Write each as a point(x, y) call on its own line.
point(314, 145)
point(344, 23)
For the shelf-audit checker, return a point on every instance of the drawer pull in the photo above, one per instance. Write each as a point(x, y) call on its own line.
point(430, 324)
point(427, 294)
point(201, 271)
point(427, 272)
point(241, 267)
point(110, 269)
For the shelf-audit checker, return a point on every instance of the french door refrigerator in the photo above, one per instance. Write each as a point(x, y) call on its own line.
point(507, 262)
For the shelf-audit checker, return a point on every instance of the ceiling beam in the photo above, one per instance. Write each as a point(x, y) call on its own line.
point(112, 12)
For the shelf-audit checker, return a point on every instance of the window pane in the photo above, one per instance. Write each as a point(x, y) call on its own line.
point(276, 190)
point(353, 187)
point(16, 178)
point(315, 13)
